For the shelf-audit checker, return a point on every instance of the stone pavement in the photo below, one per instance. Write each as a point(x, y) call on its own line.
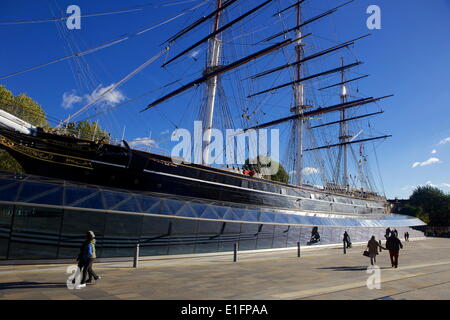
point(423, 273)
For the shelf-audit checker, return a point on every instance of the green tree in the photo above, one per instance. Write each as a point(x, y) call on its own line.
point(257, 164)
point(86, 130)
point(434, 203)
point(413, 211)
point(25, 108)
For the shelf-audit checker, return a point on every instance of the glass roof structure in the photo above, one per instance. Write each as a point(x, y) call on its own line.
point(47, 192)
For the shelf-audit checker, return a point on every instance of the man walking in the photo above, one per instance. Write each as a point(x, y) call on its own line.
point(393, 244)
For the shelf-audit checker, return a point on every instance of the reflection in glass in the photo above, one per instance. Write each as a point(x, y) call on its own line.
point(154, 236)
point(6, 213)
point(265, 236)
point(229, 235)
point(121, 234)
point(183, 235)
point(35, 233)
point(208, 236)
point(74, 228)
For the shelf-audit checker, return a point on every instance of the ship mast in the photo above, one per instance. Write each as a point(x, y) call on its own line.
point(211, 84)
point(299, 102)
point(343, 137)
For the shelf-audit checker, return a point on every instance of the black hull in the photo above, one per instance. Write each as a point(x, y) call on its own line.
point(118, 167)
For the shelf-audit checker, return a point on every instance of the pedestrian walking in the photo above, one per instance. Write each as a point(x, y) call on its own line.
point(388, 233)
point(393, 244)
point(407, 236)
point(373, 246)
point(86, 259)
point(347, 241)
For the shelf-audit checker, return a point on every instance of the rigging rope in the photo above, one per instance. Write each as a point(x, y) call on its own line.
point(104, 44)
point(117, 84)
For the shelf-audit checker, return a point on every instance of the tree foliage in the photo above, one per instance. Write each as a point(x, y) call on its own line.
point(86, 130)
point(25, 108)
point(429, 204)
point(257, 164)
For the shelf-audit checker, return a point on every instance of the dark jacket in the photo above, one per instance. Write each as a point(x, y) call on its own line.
point(393, 244)
point(373, 246)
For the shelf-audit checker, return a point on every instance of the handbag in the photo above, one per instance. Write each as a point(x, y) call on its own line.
point(366, 253)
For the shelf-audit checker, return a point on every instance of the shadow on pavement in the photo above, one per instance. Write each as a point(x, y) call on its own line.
point(30, 285)
point(359, 268)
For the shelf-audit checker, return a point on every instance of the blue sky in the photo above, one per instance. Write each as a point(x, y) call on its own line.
point(408, 57)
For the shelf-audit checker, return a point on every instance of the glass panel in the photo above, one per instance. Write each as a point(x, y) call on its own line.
point(293, 236)
point(6, 213)
point(265, 236)
point(74, 194)
point(74, 228)
point(35, 233)
point(112, 199)
point(280, 236)
point(183, 236)
point(230, 235)
point(121, 235)
point(154, 236)
point(325, 235)
point(305, 235)
point(208, 236)
point(249, 234)
point(9, 193)
point(32, 190)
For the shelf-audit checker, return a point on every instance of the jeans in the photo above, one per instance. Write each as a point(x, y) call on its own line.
point(87, 270)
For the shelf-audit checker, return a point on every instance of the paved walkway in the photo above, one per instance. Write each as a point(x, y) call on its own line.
point(424, 273)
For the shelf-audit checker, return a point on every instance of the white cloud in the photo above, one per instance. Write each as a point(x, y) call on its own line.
point(69, 99)
point(446, 185)
point(427, 162)
point(194, 54)
point(444, 141)
point(407, 188)
point(112, 98)
point(434, 151)
point(309, 170)
point(164, 132)
point(428, 183)
point(142, 142)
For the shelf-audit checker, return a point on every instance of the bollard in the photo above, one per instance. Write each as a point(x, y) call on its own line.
point(345, 248)
point(136, 256)
point(298, 249)
point(235, 252)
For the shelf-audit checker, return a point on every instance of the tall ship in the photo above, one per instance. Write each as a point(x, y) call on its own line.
point(277, 75)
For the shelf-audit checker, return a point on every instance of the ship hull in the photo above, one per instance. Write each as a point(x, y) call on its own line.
point(118, 167)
